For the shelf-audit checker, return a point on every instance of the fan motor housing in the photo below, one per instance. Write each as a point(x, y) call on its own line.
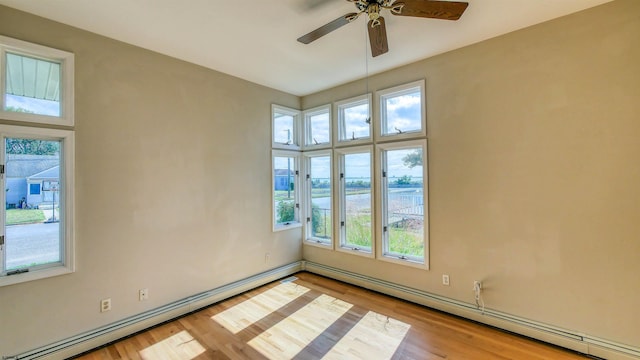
point(362, 5)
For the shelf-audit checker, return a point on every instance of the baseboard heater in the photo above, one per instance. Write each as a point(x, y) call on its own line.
point(109, 333)
point(583, 343)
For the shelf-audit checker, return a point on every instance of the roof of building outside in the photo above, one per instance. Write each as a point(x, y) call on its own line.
point(52, 173)
point(23, 166)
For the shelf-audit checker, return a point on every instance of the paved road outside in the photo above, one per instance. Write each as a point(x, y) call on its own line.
point(32, 244)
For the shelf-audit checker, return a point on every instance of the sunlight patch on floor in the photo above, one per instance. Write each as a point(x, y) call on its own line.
point(375, 336)
point(241, 316)
point(181, 346)
point(285, 339)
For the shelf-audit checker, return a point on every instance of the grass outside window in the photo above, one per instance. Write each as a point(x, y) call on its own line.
point(24, 216)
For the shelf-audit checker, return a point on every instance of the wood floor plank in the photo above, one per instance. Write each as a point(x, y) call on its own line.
point(315, 317)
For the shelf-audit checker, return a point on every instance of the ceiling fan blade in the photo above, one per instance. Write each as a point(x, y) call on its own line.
point(445, 10)
point(378, 36)
point(327, 28)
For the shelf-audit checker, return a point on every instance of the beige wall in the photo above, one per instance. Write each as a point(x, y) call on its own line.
point(534, 172)
point(173, 186)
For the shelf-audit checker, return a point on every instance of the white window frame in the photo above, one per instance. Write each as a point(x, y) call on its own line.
point(308, 142)
point(296, 191)
point(341, 201)
point(381, 204)
point(297, 127)
point(341, 128)
point(66, 61)
point(67, 213)
point(400, 90)
point(308, 228)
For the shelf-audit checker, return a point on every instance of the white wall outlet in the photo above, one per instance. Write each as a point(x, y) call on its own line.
point(445, 280)
point(266, 257)
point(143, 294)
point(105, 305)
point(477, 286)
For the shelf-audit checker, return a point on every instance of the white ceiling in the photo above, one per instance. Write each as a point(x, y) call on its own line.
point(256, 39)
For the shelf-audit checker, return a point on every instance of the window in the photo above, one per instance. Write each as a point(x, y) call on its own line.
point(402, 113)
point(318, 199)
point(389, 223)
point(403, 201)
point(36, 83)
point(34, 189)
point(286, 173)
point(285, 127)
point(317, 127)
point(37, 231)
point(354, 120)
point(285, 164)
point(356, 199)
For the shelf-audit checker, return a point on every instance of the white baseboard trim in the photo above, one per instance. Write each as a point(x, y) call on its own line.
point(78, 344)
point(92, 339)
point(583, 343)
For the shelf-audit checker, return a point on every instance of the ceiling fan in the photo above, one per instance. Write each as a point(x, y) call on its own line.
point(446, 10)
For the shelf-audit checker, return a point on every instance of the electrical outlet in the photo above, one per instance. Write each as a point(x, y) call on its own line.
point(266, 257)
point(143, 294)
point(105, 305)
point(445, 280)
point(477, 286)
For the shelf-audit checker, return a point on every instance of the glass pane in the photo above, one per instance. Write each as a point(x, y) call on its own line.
point(402, 113)
point(404, 200)
point(32, 86)
point(283, 128)
point(357, 201)
point(321, 198)
point(32, 220)
point(319, 129)
point(283, 191)
point(354, 122)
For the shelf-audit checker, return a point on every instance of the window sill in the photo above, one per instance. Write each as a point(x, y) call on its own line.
point(362, 141)
point(405, 262)
point(35, 275)
point(313, 242)
point(408, 135)
point(281, 227)
point(358, 252)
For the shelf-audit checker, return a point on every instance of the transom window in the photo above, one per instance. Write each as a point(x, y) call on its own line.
point(317, 127)
point(36, 83)
point(354, 119)
point(285, 127)
point(402, 111)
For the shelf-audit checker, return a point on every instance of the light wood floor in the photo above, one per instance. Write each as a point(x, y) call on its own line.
point(314, 317)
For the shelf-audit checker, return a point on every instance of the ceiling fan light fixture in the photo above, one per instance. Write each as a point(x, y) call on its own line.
point(373, 11)
point(431, 9)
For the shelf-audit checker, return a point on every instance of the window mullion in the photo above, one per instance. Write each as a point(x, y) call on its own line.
point(384, 198)
point(4, 201)
point(342, 202)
